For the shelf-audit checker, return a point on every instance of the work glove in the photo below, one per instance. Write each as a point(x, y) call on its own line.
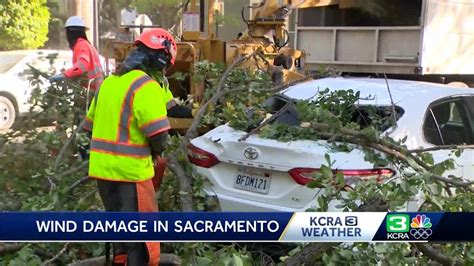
point(57, 77)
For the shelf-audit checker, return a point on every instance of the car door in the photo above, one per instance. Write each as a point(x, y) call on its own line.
point(469, 170)
point(21, 73)
point(450, 121)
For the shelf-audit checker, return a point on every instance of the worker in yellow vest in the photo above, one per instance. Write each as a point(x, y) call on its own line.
point(129, 124)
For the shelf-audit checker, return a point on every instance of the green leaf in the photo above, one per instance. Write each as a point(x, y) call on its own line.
point(458, 152)
point(346, 253)
point(380, 248)
point(326, 171)
point(404, 139)
point(314, 184)
point(203, 261)
point(340, 179)
point(237, 260)
point(328, 159)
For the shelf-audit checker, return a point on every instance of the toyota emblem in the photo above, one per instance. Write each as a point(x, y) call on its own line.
point(251, 153)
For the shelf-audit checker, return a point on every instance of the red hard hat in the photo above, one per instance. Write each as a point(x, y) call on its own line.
point(158, 39)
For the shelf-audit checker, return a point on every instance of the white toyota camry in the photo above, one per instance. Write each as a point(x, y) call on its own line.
point(260, 174)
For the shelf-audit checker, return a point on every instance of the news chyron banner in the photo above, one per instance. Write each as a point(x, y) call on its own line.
point(235, 226)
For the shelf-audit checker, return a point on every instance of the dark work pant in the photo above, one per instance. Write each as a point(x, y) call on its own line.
point(131, 197)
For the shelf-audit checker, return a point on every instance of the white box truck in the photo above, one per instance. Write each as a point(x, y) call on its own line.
point(429, 40)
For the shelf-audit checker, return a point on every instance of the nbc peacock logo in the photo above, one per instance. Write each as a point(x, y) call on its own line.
point(421, 227)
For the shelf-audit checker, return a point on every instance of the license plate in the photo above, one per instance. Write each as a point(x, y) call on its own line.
point(253, 181)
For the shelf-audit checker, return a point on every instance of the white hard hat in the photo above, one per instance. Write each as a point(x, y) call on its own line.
point(75, 21)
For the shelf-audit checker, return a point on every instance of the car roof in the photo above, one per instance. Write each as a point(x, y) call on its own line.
point(373, 91)
point(27, 52)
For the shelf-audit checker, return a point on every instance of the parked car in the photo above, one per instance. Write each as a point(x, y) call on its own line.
point(15, 87)
point(260, 174)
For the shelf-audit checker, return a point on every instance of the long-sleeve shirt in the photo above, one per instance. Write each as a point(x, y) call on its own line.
point(86, 60)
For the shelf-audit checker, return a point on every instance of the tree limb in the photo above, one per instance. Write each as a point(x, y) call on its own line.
point(223, 79)
point(267, 121)
point(97, 261)
point(457, 183)
point(398, 152)
point(173, 163)
point(435, 254)
point(61, 252)
point(192, 130)
point(308, 253)
point(82, 166)
point(10, 248)
point(76, 184)
point(184, 180)
point(64, 148)
point(442, 147)
point(165, 259)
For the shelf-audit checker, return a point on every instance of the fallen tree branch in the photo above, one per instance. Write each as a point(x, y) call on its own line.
point(381, 145)
point(76, 184)
point(456, 183)
point(61, 252)
point(423, 169)
point(192, 130)
point(165, 259)
point(442, 147)
point(308, 253)
point(220, 92)
point(10, 248)
point(184, 180)
point(240, 60)
point(268, 121)
point(81, 166)
point(97, 261)
point(435, 254)
point(64, 148)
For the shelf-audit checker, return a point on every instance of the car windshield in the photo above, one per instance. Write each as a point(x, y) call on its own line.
point(362, 115)
point(9, 60)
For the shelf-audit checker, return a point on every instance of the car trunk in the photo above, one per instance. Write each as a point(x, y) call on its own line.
point(269, 171)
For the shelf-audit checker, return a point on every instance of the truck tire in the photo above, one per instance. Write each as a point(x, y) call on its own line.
point(7, 113)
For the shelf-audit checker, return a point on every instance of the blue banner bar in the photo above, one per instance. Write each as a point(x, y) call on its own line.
point(161, 226)
point(236, 226)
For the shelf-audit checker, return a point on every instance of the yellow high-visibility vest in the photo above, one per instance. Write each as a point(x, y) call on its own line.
point(128, 109)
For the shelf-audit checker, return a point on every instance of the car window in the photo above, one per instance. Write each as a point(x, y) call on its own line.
point(431, 130)
point(470, 104)
point(379, 116)
point(364, 115)
point(8, 60)
point(448, 123)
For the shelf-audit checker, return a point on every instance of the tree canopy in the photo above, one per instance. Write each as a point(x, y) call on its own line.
point(23, 24)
